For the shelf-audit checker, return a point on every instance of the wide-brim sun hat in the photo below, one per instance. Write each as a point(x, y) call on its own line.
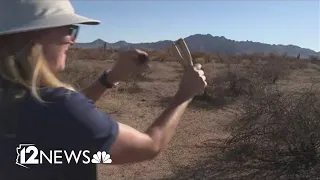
point(29, 15)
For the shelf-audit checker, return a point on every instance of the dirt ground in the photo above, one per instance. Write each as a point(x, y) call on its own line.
point(140, 106)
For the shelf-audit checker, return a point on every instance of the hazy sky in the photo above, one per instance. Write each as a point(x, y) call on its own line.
point(275, 22)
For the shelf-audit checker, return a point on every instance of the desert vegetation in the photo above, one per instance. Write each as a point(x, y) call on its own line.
point(258, 118)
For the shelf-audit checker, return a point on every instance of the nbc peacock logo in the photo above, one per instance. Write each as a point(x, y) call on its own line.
point(101, 157)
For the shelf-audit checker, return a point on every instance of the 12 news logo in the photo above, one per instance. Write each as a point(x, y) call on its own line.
point(28, 154)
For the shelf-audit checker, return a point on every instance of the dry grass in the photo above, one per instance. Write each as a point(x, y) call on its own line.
point(255, 120)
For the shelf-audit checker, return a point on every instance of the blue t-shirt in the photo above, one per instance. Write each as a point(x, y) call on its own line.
point(66, 121)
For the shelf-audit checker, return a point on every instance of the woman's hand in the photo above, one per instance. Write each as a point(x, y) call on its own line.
point(192, 82)
point(129, 63)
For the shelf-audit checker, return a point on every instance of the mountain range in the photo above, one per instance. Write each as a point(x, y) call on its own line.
point(208, 43)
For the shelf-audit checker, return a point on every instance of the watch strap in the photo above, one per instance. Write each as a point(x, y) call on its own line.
point(103, 81)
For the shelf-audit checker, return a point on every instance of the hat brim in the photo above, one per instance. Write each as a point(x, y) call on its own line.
point(49, 22)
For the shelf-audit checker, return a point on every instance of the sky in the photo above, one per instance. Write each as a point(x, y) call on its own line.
point(284, 22)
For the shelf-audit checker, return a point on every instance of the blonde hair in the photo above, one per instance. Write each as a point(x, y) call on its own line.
point(22, 63)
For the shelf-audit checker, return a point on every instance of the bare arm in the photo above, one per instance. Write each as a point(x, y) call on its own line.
point(96, 89)
point(134, 146)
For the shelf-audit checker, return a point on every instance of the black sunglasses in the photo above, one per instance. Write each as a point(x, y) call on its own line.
point(73, 31)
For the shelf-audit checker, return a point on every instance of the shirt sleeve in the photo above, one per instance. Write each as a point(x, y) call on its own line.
point(92, 128)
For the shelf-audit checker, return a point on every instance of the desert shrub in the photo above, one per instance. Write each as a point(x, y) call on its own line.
point(229, 85)
point(233, 83)
point(256, 56)
point(314, 58)
point(221, 58)
point(162, 57)
point(199, 60)
point(169, 56)
point(272, 55)
point(280, 133)
point(298, 64)
point(88, 54)
point(237, 81)
point(202, 57)
point(270, 70)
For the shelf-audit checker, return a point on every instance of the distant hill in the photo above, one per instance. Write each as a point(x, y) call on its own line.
point(208, 43)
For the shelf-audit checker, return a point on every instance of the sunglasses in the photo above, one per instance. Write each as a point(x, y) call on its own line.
point(73, 31)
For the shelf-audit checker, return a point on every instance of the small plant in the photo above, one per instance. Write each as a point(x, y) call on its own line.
point(314, 58)
point(280, 132)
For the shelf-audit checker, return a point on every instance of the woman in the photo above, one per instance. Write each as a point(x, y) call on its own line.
point(37, 108)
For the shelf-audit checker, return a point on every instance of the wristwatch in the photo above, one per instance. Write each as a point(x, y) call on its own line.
point(104, 81)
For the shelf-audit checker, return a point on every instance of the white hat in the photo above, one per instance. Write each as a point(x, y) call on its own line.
point(28, 15)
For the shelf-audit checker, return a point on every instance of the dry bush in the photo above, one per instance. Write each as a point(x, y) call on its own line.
point(251, 56)
point(298, 64)
point(279, 135)
point(314, 60)
point(221, 58)
point(203, 58)
point(227, 87)
point(246, 77)
point(290, 62)
point(237, 81)
point(161, 56)
point(165, 56)
point(199, 60)
point(87, 54)
point(271, 70)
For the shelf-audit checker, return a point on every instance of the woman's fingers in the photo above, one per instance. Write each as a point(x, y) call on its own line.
point(203, 77)
point(200, 72)
point(197, 66)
